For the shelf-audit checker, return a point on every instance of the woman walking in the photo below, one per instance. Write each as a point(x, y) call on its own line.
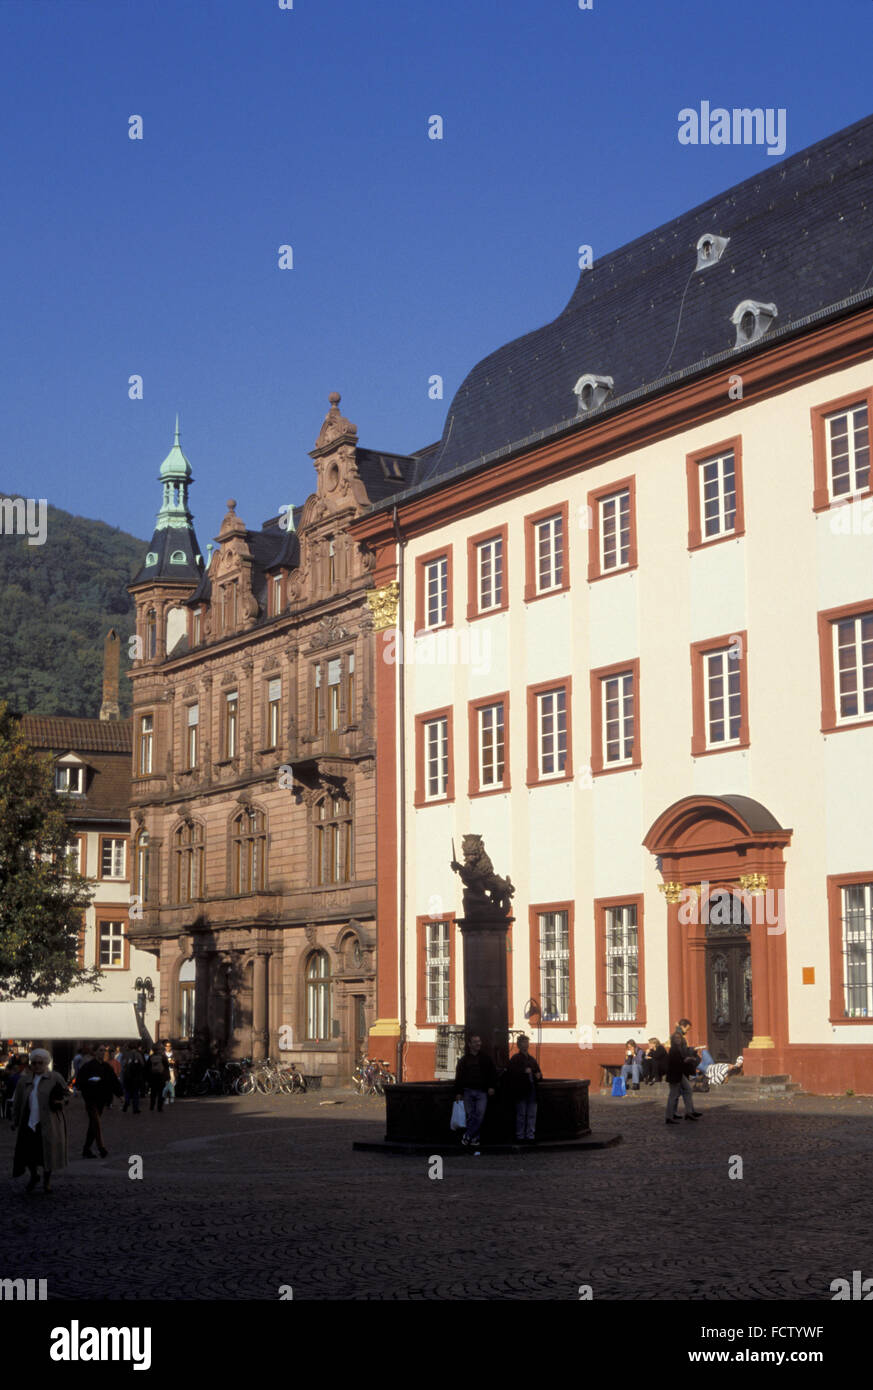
point(38, 1116)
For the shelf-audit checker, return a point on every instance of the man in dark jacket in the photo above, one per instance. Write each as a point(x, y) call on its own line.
point(679, 1059)
point(96, 1083)
point(157, 1075)
point(132, 1074)
point(475, 1080)
point(524, 1077)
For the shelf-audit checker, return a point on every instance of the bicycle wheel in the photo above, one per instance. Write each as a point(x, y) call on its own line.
point(245, 1085)
point(203, 1086)
point(265, 1083)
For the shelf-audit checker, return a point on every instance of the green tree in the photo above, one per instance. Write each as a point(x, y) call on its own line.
point(41, 899)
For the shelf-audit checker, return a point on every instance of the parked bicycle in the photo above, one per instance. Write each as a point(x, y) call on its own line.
point(371, 1077)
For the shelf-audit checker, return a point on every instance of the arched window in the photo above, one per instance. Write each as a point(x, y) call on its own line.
point(249, 851)
point(141, 865)
point(188, 862)
point(178, 557)
point(186, 999)
point(318, 1009)
point(333, 840)
point(151, 634)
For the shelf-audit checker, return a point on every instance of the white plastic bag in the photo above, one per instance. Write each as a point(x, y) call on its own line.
point(459, 1116)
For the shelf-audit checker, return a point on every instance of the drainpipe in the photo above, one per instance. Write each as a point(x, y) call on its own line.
point(400, 735)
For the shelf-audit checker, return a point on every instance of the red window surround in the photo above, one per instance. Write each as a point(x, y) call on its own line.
point(444, 552)
point(421, 990)
point(530, 551)
point(698, 651)
point(595, 497)
point(598, 764)
point(564, 683)
point(420, 785)
point(601, 907)
point(821, 498)
point(826, 621)
point(473, 726)
point(535, 986)
point(693, 463)
point(501, 532)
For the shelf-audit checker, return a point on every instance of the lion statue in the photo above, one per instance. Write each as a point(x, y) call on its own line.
point(486, 894)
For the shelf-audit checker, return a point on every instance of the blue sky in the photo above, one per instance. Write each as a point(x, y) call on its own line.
point(264, 127)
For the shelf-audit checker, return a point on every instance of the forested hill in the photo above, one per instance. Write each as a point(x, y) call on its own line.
point(57, 602)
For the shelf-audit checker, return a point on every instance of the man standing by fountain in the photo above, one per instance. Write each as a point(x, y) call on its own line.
point(475, 1080)
point(524, 1076)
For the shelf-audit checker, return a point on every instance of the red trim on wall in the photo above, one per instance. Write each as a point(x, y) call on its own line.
point(387, 828)
point(826, 620)
point(473, 578)
point(530, 556)
point(595, 497)
point(533, 776)
point(821, 499)
point(444, 552)
point(599, 766)
point(693, 464)
point(473, 708)
point(601, 907)
point(535, 987)
point(698, 651)
point(447, 713)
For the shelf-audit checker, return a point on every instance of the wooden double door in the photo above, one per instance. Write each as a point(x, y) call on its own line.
point(729, 994)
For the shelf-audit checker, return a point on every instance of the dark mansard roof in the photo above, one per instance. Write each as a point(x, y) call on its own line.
point(801, 237)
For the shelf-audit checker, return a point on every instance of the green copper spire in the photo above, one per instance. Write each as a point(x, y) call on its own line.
point(176, 476)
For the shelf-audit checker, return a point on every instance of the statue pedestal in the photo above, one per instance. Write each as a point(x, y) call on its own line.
point(486, 983)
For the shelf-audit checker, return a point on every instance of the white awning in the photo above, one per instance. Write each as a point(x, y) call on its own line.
point(69, 1018)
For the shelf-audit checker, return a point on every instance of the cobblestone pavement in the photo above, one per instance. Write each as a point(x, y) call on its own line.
point(242, 1196)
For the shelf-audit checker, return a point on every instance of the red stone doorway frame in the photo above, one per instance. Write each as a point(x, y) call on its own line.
point(717, 840)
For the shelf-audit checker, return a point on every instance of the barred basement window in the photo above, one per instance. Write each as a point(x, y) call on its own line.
point(857, 945)
point(554, 933)
point(622, 963)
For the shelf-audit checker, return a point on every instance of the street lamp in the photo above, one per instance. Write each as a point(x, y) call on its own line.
point(145, 990)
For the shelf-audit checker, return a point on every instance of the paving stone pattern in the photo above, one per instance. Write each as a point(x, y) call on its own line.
point(242, 1196)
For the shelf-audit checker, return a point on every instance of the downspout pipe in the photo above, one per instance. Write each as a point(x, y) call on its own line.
point(400, 735)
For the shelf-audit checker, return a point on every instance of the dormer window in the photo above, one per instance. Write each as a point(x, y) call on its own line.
point(69, 779)
point(710, 249)
point(151, 558)
point(591, 391)
point(178, 557)
point(752, 321)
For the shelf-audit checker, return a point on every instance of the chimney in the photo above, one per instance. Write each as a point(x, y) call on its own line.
point(109, 709)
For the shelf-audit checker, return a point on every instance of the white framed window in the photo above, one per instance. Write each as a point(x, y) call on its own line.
point(489, 574)
point(113, 857)
point(231, 723)
point(111, 945)
point(436, 591)
point(191, 735)
point(146, 744)
point(618, 718)
point(491, 740)
point(717, 483)
point(615, 531)
point(857, 947)
point(68, 779)
point(76, 854)
point(549, 553)
point(437, 971)
point(554, 937)
point(318, 998)
point(436, 758)
point(848, 446)
point(722, 696)
point(853, 665)
point(552, 732)
point(622, 963)
point(274, 704)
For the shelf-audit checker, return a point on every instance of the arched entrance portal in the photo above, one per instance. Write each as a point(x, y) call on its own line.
point(721, 859)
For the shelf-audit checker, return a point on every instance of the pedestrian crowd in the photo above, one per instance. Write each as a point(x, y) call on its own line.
point(35, 1099)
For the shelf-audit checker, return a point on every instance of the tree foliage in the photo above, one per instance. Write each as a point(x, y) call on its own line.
point(42, 900)
point(59, 601)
